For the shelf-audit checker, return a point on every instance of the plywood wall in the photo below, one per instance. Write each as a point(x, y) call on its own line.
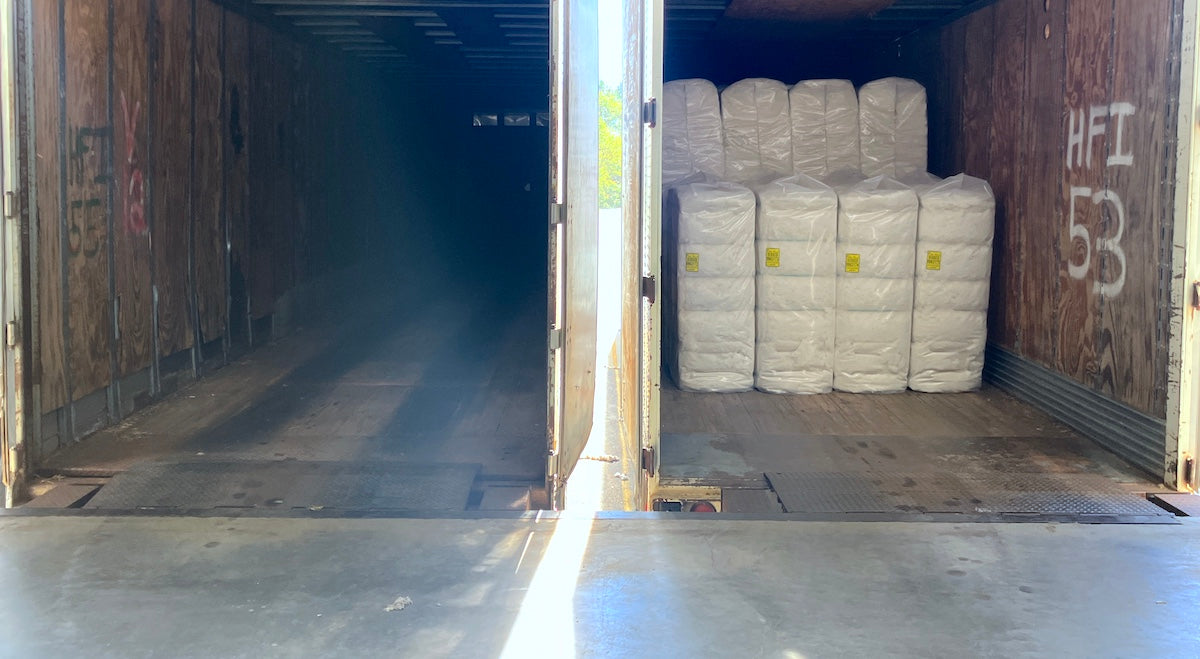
point(263, 139)
point(208, 234)
point(235, 129)
point(50, 369)
point(171, 110)
point(1065, 106)
point(175, 175)
point(132, 254)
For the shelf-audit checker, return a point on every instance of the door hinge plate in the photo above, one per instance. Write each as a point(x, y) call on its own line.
point(556, 339)
point(558, 213)
point(649, 288)
point(11, 334)
point(10, 204)
point(650, 112)
point(648, 461)
point(13, 460)
point(1196, 295)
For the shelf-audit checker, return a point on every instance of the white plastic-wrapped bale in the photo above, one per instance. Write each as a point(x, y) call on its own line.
point(920, 182)
point(893, 128)
point(824, 116)
point(693, 140)
point(796, 269)
point(710, 235)
point(758, 130)
point(876, 243)
point(954, 260)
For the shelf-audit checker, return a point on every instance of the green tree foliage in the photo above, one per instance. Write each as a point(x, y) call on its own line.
point(610, 147)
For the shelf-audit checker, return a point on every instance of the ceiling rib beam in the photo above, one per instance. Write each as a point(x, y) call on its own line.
point(408, 4)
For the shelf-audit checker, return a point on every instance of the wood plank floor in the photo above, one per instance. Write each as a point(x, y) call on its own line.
point(989, 412)
point(456, 378)
point(732, 439)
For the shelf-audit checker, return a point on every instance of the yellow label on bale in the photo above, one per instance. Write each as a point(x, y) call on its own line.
point(933, 260)
point(852, 261)
point(692, 263)
point(772, 257)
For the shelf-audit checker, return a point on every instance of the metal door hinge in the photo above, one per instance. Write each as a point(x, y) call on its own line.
point(14, 457)
point(650, 112)
point(648, 461)
point(10, 204)
point(556, 339)
point(649, 289)
point(558, 213)
point(1189, 471)
point(1196, 295)
point(11, 333)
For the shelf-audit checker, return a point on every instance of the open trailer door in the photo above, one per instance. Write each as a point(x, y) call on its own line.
point(12, 454)
point(1183, 407)
point(574, 182)
point(638, 386)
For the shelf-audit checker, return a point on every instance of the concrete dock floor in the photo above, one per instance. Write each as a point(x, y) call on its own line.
point(636, 586)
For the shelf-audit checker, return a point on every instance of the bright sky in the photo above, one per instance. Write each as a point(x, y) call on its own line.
point(610, 41)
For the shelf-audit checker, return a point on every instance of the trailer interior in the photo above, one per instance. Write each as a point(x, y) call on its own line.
point(1063, 346)
point(293, 256)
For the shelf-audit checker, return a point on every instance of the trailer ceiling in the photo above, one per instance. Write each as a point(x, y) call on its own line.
point(507, 42)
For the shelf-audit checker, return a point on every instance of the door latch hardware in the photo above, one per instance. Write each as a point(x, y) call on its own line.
point(649, 290)
point(648, 461)
point(650, 112)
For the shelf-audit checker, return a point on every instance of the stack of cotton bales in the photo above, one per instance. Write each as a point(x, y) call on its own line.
point(893, 129)
point(758, 131)
point(876, 242)
point(872, 285)
point(711, 228)
point(796, 285)
point(693, 139)
point(824, 117)
point(954, 260)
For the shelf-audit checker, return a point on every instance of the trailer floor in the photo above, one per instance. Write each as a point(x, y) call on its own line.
point(452, 381)
point(982, 452)
point(652, 586)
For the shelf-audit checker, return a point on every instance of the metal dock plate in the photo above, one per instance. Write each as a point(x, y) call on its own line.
point(996, 494)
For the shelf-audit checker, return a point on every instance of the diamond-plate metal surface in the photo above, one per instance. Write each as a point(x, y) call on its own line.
point(939, 492)
point(291, 484)
point(1071, 503)
point(828, 493)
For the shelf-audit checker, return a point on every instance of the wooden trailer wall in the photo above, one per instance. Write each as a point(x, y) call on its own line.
point(165, 131)
point(1068, 108)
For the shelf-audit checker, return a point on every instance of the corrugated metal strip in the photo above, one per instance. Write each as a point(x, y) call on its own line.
point(1136, 437)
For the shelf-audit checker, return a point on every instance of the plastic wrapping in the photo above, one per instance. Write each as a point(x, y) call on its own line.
point(693, 141)
point(803, 293)
point(824, 116)
point(796, 285)
point(920, 181)
point(953, 273)
point(710, 286)
point(893, 128)
point(877, 231)
point(758, 131)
